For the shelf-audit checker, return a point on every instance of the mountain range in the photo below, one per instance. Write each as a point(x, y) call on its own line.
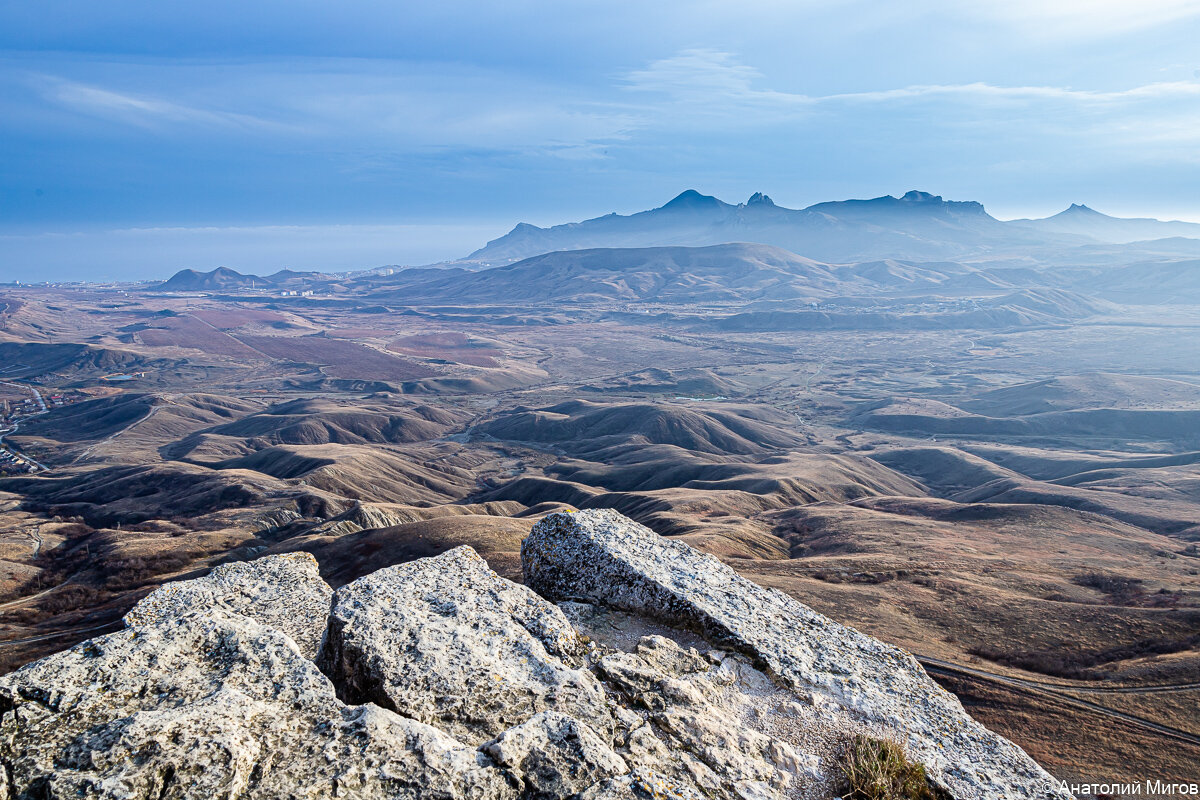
point(917, 225)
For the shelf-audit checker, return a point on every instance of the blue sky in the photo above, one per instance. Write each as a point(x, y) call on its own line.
point(137, 138)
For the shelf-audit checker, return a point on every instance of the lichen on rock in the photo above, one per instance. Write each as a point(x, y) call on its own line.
point(215, 704)
point(449, 642)
point(284, 592)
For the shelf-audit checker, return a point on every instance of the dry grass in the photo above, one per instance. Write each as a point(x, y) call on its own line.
point(879, 769)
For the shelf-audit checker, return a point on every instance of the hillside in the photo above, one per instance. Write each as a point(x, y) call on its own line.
point(219, 279)
point(586, 425)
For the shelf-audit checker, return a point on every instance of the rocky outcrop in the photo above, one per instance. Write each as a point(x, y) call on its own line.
point(438, 678)
point(601, 557)
point(449, 642)
point(215, 704)
point(283, 592)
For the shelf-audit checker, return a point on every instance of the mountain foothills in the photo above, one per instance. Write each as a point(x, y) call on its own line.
point(653, 505)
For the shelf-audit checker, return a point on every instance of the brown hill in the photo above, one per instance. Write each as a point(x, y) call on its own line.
point(718, 273)
point(126, 495)
point(372, 474)
point(321, 421)
point(127, 427)
point(688, 382)
point(70, 361)
point(581, 426)
point(345, 558)
point(1096, 390)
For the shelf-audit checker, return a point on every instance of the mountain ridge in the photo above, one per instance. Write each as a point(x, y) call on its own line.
point(915, 225)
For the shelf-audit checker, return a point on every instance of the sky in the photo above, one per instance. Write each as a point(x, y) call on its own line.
point(138, 138)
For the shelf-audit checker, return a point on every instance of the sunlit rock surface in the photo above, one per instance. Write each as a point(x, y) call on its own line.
point(658, 675)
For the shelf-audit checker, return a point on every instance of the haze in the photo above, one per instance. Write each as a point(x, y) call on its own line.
point(141, 138)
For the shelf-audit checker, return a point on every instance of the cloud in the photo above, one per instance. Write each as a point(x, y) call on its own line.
point(984, 92)
point(361, 103)
point(715, 87)
point(138, 110)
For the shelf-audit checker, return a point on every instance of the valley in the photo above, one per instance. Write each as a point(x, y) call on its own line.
point(994, 466)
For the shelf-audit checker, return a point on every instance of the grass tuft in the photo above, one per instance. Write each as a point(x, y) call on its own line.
point(878, 769)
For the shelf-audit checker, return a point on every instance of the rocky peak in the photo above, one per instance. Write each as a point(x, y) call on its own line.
point(629, 666)
point(760, 199)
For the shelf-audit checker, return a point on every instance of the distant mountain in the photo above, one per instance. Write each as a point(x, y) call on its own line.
point(917, 225)
point(718, 273)
point(1084, 221)
point(775, 288)
point(225, 279)
point(189, 280)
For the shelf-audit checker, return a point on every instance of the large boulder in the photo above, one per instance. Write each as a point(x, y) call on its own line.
point(601, 557)
point(215, 704)
point(447, 641)
point(284, 592)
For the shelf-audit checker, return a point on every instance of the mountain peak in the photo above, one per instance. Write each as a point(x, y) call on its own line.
point(760, 199)
point(914, 196)
point(690, 199)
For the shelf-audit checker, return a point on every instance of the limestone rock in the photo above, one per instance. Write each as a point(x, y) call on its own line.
point(599, 556)
point(447, 641)
point(555, 755)
point(695, 738)
point(215, 704)
point(284, 592)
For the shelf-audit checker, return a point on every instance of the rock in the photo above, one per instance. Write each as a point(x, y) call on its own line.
point(447, 641)
point(215, 704)
point(555, 755)
point(640, 784)
point(284, 592)
point(694, 739)
point(599, 556)
point(667, 655)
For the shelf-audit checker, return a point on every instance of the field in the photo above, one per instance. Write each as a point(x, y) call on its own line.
point(338, 357)
point(455, 347)
point(193, 333)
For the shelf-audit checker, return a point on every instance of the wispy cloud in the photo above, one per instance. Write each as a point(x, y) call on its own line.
point(384, 105)
point(713, 76)
point(143, 111)
point(716, 87)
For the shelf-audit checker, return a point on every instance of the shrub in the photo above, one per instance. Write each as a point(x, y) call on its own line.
point(1118, 587)
point(71, 598)
point(878, 769)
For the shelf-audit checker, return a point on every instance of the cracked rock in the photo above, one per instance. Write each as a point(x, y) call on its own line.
point(447, 641)
point(284, 592)
point(215, 704)
point(601, 557)
point(555, 755)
